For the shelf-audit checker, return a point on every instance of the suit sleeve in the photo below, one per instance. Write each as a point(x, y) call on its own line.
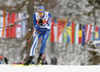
point(48, 26)
point(49, 19)
point(36, 26)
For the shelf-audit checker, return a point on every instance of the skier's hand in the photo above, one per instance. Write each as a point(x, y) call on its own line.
point(35, 33)
point(41, 22)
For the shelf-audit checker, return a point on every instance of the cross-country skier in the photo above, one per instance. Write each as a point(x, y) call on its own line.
point(42, 26)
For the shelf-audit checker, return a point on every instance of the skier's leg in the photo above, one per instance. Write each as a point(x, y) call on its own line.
point(35, 42)
point(44, 39)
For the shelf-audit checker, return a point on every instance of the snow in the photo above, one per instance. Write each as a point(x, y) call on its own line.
point(49, 68)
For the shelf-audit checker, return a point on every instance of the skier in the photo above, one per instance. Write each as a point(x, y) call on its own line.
point(42, 27)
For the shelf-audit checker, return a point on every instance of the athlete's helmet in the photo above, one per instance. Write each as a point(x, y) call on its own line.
point(41, 9)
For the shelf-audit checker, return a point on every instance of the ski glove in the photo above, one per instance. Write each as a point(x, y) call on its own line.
point(41, 22)
point(35, 33)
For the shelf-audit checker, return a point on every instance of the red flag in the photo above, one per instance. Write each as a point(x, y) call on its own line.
point(72, 32)
point(13, 28)
point(61, 24)
point(88, 32)
point(96, 33)
point(80, 33)
point(8, 22)
point(96, 29)
point(52, 31)
point(18, 26)
point(54, 28)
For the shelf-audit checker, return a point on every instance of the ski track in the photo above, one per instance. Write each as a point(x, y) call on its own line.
point(49, 68)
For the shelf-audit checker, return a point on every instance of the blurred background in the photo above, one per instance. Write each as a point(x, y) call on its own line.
point(74, 37)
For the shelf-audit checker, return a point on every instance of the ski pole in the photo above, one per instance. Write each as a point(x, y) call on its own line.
point(31, 36)
point(63, 27)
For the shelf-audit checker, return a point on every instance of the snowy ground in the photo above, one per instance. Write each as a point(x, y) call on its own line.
point(49, 68)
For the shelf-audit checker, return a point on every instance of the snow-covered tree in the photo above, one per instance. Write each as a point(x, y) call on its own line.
point(79, 12)
point(95, 13)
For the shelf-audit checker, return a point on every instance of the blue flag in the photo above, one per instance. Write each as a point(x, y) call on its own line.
point(23, 25)
point(99, 33)
point(83, 35)
point(98, 44)
point(68, 32)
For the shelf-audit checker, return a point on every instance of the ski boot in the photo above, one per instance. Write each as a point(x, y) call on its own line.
point(28, 61)
point(39, 60)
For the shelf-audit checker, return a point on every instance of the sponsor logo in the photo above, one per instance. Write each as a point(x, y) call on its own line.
point(40, 9)
point(38, 32)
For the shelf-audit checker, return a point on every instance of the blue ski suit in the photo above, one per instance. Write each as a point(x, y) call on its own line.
point(41, 31)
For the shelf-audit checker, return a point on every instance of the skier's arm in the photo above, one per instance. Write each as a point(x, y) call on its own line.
point(36, 26)
point(48, 26)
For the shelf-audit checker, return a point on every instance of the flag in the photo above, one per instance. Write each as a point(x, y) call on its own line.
point(18, 27)
point(49, 38)
point(99, 33)
point(96, 33)
point(88, 32)
point(4, 23)
point(72, 39)
point(83, 35)
point(92, 30)
point(61, 24)
point(23, 25)
point(80, 33)
point(13, 28)
point(65, 34)
point(76, 34)
point(1, 23)
point(8, 30)
point(7, 24)
point(69, 32)
point(54, 31)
